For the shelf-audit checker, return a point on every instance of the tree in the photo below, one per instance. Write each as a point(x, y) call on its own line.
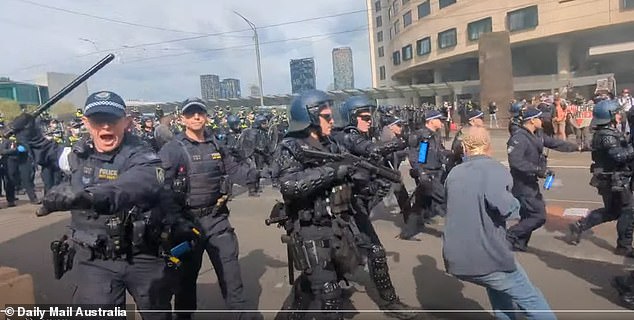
point(10, 109)
point(63, 108)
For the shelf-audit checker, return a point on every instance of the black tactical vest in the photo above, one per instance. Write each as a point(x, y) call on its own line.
point(204, 172)
point(88, 168)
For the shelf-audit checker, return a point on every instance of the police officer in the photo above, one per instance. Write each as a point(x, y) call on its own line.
point(527, 162)
point(111, 175)
point(612, 155)
point(147, 133)
point(195, 160)
point(316, 194)
point(356, 114)
point(474, 118)
point(428, 170)
point(515, 111)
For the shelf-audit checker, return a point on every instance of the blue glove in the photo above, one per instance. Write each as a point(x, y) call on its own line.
point(21, 148)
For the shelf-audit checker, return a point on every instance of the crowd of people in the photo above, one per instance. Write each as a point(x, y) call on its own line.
point(148, 195)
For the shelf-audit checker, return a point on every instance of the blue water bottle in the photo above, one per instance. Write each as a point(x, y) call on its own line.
point(548, 183)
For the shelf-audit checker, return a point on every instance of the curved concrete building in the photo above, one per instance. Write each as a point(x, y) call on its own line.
point(549, 42)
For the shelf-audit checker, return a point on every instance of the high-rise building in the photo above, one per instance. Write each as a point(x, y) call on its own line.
point(342, 68)
point(209, 86)
point(302, 75)
point(230, 88)
point(255, 91)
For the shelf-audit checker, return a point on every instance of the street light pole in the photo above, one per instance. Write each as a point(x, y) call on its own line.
point(257, 54)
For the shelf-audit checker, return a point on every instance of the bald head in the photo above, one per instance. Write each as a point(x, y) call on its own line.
point(476, 141)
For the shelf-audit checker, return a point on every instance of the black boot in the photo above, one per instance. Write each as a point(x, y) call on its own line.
point(379, 273)
point(576, 229)
point(253, 190)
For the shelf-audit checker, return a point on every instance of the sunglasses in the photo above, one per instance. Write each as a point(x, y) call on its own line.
point(365, 118)
point(326, 116)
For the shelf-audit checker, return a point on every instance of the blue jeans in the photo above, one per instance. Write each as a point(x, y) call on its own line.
point(506, 288)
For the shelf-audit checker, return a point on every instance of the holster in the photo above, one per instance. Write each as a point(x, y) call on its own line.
point(300, 254)
point(63, 255)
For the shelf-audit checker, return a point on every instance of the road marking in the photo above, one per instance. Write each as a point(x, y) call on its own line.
point(574, 201)
point(506, 164)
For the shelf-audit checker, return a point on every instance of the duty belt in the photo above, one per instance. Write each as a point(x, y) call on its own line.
point(202, 212)
point(318, 243)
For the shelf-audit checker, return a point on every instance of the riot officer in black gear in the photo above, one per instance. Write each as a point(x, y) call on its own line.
point(204, 173)
point(612, 155)
point(147, 133)
point(356, 114)
point(317, 196)
point(428, 159)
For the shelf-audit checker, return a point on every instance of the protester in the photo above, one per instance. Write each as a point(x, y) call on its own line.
point(475, 248)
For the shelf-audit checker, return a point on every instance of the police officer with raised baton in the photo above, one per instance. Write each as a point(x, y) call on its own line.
point(114, 177)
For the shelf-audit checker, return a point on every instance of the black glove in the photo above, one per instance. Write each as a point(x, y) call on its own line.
point(24, 125)
point(341, 170)
point(542, 172)
point(63, 198)
point(382, 188)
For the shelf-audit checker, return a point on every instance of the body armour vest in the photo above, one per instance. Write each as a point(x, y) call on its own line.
point(88, 168)
point(204, 172)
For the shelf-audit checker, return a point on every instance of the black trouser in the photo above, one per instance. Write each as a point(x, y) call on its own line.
point(429, 201)
point(532, 211)
point(221, 244)
point(616, 206)
point(22, 175)
point(104, 282)
point(50, 177)
point(319, 289)
point(12, 178)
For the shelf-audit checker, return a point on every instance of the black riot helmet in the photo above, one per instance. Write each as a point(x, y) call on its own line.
point(233, 122)
point(259, 121)
point(353, 106)
point(604, 112)
point(304, 110)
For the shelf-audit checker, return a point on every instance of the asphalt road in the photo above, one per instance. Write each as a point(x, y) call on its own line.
point(575, 280)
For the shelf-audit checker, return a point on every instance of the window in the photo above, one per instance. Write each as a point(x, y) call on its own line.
point(379, 36)
point(423, 9)
point(382, 73)
point(407, 19)
point(379, 21)
point(397, 27)
point(391, 32)
point(389, 13)
point(445, 3)
point(522, 19)
point(476, 28)
point(407, 52)
point(381, 52)
point(423, 46)
point(377, 6)
point(395, 6)
point(628, 4)
point(396, 58)
point(405, 2)
point(447, 39)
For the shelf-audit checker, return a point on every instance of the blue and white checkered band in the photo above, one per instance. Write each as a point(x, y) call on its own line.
point(434, 117)
point(104, 103)
point(193, 104)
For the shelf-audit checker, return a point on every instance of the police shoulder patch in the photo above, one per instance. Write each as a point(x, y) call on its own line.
point(510, 149)
point(160, 175)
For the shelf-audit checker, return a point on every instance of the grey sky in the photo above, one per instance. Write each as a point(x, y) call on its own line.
point(39, 39)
